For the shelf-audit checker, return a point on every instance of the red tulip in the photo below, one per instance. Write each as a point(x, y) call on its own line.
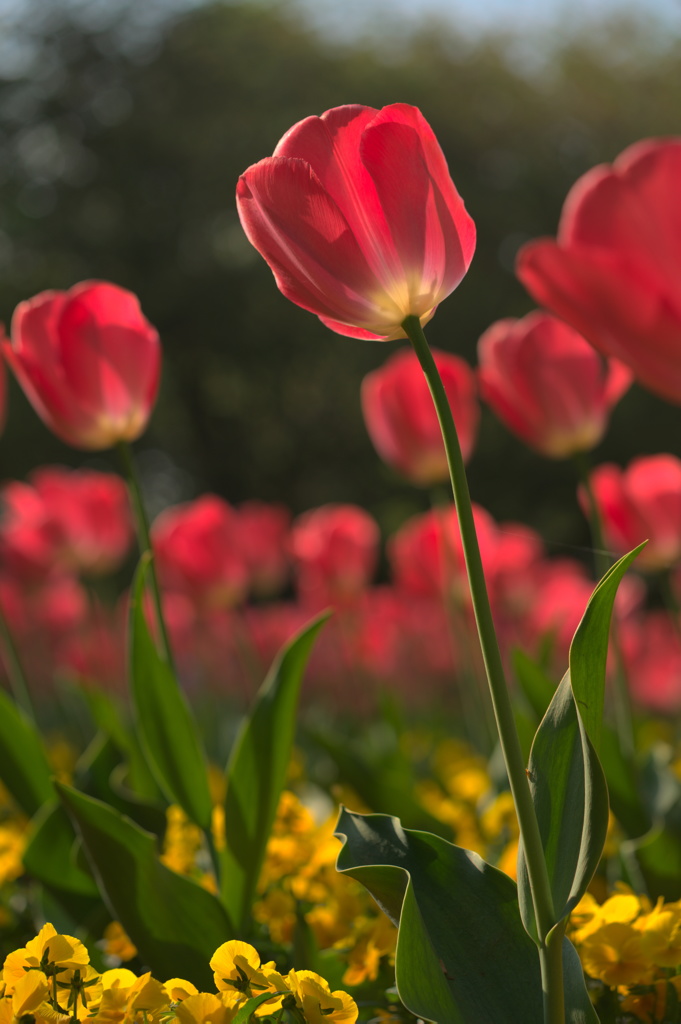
point(334, 549)
point(64, 520)
point(641, 503)
point(359, 220)
point(401, 419)
point(263, 544)
point(614, 273)
point(653, 652)
point(197, 549)
point(547, 385)
point(88, 361)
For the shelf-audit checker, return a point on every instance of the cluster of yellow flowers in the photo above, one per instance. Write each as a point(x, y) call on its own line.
point(299, 885)
point(633, 948)
point(51, 981)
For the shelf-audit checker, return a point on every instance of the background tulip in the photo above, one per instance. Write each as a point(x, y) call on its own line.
point(335, 549)
point(642, 502)
point(614, 271)
point(402, 422)
point(547, 385)
point(358, 218)
point(88, 361)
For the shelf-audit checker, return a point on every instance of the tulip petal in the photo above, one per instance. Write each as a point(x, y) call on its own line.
point(330, 144)
point(317, 263)
point(605, 299)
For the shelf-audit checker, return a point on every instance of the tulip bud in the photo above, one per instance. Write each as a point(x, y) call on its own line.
point(401, 419)
point(88, 361)
point(547, 384)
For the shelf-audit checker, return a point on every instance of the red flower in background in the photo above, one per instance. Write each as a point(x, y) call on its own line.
point(264, 544)
point(88, 361)
point(335, 549)
point(197, 551)
point(401, 419)
point(642, 502)
point(3, 386)
point(358, 218)
point(614, 272)
point(547, 385)
point(64, 520)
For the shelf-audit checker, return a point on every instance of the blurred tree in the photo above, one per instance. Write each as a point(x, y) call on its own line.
point(120, 147)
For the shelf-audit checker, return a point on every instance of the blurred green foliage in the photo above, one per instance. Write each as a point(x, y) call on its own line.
point(119, 154)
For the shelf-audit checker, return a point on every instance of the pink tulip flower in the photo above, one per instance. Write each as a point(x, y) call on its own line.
point(641, 503)
point(653, 652)
point(547, 384)
point(614, 272)
point(359, 220)
point(197, 550)
point(88, 361)
point(401, 419)
point(334, 549)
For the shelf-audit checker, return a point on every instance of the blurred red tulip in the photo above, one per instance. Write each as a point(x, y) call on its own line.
point(652, 649)
point(334, 550)
point(426, 554)
point(92, 516)
point(64, 520)
point(401, 418)
point(547, 385)
point(88, 361)
point(263, 544)
point(614, 273)
point(197, 551)
point(358, 218)
point(641, 503)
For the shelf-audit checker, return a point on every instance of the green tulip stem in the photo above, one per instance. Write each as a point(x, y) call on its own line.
point(144, 541)
point(501, 701)
point(15, 669)
point(624, 715)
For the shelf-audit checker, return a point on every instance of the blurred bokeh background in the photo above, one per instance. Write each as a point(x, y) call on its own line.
point(124, 127)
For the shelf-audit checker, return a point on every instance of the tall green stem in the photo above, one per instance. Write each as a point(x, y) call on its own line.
point(15, 669)
point(503, 712)
point(624, 715)
point(144, 541)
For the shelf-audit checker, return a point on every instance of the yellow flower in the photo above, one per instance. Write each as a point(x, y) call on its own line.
point(318, 1003)
point(236, 968)
point(12, 844)
point(661, 934)
point(204, 1008)
point(378, 940)
point(614, 954)
point(128, 999)
point(178, 989)
point(57, 956)
point(118, 943)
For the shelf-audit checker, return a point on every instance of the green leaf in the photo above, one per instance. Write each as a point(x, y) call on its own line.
point(175, 923)
point(246, 1011)
point(589, 648)
point(571, 801)
point(256, 773)
point(534, 682)
point(631, 811)
point(51, 854)
point(167, 729)
point(463, 956)
point(24, 768)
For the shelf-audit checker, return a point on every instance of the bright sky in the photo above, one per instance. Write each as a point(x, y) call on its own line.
point(472, 15)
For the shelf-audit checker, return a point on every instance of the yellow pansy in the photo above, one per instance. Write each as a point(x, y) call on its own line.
point(318, 1003)
point(118, 943)
point(661, 934)
point(204, 1008)
point(57, 956)
point(236, 968)
point(614, 954)
point(178, 989)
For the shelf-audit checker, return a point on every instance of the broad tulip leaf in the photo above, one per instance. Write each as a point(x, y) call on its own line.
point(624, 784)
point(571, 801)
point(256, 773)
point(24, 768)
point(463, 956)
point(103, 774)
point(175, 923)
point(589, 648)
point(51, 856)
point(166, 726)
